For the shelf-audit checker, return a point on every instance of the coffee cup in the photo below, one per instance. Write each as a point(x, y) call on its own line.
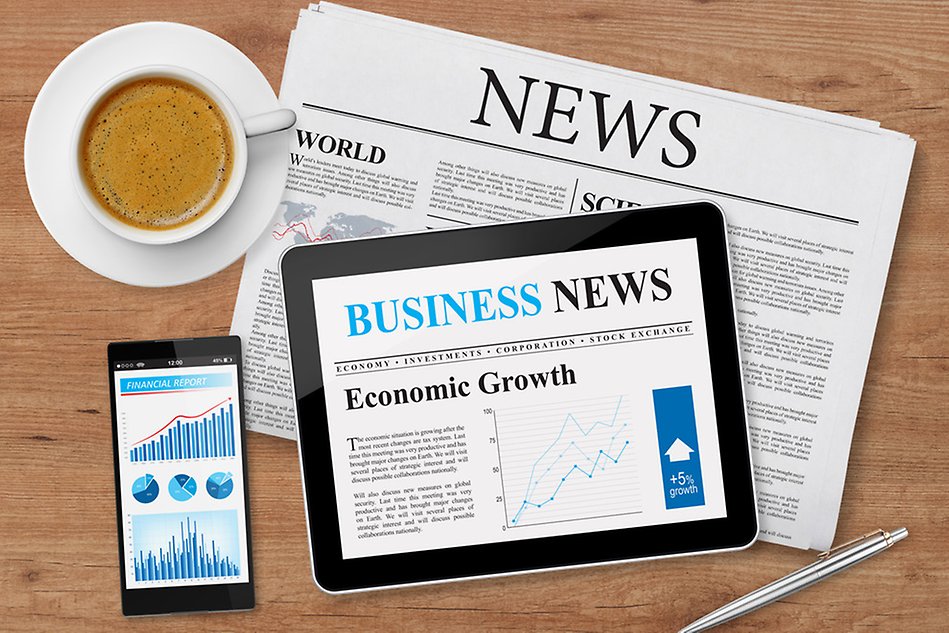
point(152, 207)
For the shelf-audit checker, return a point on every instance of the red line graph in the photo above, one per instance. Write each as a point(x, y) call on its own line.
point(182, 417)
point(309, 234)
point(306, 232)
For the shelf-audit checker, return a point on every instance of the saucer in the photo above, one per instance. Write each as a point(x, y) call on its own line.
point(46, 155)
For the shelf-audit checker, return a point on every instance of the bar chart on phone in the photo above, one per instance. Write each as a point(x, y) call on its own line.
point(186, 546)
point(166, 417)
point(209, 433)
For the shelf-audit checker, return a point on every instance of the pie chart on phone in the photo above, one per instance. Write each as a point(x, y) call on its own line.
point(182, 487)
point(220, 485)
point(145, 489)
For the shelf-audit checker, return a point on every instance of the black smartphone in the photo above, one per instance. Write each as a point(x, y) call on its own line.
point(181, 492)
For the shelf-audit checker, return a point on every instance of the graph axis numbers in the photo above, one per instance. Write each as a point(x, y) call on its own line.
point(497, 445)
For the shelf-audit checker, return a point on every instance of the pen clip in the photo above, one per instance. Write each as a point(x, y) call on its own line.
point(833, 550)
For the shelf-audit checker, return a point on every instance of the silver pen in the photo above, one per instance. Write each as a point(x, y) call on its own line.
point(828, 563)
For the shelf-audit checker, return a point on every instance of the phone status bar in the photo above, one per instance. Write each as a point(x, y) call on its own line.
point(174, 363)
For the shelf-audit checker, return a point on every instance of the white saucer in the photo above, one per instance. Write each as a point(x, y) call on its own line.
point(46, 155)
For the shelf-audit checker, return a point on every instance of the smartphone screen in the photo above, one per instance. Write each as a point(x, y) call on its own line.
point(181, 476)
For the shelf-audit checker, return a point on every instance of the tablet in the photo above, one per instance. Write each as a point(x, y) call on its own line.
point(516, 397)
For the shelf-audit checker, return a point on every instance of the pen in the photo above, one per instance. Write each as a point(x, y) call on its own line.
point(828, 563)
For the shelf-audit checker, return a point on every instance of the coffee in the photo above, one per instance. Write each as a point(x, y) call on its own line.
point(157, 153)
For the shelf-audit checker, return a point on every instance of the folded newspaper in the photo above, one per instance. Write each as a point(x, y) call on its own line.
point(404, 126)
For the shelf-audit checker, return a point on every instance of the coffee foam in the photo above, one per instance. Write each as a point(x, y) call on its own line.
point(157, 153)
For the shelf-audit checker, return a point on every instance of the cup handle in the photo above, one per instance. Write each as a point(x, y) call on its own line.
point(269, 122)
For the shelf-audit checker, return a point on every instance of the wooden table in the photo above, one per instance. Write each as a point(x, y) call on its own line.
point(58, 562)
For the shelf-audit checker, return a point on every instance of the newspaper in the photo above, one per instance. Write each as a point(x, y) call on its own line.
point(402, 125)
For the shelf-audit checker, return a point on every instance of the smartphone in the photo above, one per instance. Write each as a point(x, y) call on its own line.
point(181, 476)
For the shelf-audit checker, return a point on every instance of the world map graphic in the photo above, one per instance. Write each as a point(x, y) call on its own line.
point(302, 223)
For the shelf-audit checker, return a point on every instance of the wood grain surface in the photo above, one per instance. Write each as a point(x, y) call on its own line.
point(58, 556)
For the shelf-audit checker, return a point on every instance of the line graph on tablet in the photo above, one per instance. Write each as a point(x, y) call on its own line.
point(566, 461)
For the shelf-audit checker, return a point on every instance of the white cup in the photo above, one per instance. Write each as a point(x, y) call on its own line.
point(240, 131)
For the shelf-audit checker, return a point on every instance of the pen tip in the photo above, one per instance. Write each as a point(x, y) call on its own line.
point(898, 534)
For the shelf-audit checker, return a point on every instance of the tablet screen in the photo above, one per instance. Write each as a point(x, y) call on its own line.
point(519, 398)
